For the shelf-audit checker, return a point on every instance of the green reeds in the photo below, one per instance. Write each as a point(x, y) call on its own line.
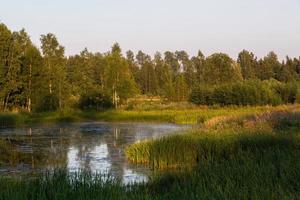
point(222, 141)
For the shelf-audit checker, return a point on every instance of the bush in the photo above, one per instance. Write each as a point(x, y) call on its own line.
point(95, 101)
point(223, 95)
point(49, 103)
point(288, 92)
point(201, 96)
point(250, 92)
point(298, 96)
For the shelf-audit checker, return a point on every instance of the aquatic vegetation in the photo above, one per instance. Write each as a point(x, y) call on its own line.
point(222, 140)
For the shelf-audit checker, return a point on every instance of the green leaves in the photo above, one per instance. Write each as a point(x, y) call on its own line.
point(220, 68)
point(28, 76)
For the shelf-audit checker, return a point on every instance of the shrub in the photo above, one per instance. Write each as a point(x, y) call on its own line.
point(288, 92)
point(250, 92)
point(95, 101)
point(223, 95)
point(201, 96)
point(49, 103)
point(298, 96)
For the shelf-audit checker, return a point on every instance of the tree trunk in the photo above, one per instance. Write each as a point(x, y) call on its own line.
point(116, 99)
point(29, 89)
point(60, 99)
point(50, 80)
point(6, 102)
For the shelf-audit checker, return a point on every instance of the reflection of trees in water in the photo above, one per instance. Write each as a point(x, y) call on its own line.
point(94, 147)
point(56, 149)
point(115, 142)
point(34, 149)
point(108, 142)
point(114, 139)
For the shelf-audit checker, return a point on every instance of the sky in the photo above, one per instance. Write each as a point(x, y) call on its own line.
point(211, 26)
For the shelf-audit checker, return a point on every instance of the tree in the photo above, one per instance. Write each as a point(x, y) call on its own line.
point(220, 68)
point(198, 63)
point(248, 64)
point(5, 48)
point(269, 67)
point(11, 52)
point(287, 71)
point(172, 62)
point(164, 77)
point(187, 68)
point(54, 62)
point(31, 80)
point(119, 82)
point(30, 62)
point(133, 66)
point(147, 77)
point(181, 88)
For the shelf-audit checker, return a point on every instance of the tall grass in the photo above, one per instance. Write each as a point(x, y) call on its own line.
point(194, 115)
point(272, 173)
point(222, 141)
point(12, 119)
point(63, 185)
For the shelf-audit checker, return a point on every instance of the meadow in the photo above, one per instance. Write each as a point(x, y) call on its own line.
point(232, 153)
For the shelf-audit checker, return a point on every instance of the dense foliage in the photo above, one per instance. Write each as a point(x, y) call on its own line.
point(95, 101)
point(43, 80)
point(248, 92)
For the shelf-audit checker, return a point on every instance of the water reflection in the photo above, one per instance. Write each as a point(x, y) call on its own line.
point(97, 147)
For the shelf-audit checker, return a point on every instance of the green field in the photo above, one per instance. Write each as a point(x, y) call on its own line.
point(233, 153)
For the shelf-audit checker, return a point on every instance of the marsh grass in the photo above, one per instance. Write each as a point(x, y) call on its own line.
point(252, 157)
point(258, 132)
point(63, 185)
point(260, 173)
point(194, 115)
point(12, 119)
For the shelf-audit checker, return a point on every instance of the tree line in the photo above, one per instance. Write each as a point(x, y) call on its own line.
point(44, 79)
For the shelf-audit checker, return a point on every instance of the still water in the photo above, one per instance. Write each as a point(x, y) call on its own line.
point(94, 146)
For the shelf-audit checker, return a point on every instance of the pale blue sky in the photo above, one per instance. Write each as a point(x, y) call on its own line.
point(158, 25)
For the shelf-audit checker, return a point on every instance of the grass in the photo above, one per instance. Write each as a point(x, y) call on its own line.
point(264, 173)
point(194, 115)
point(63, 185)
point(221, 140)
point(269, 174)
point(233, 155)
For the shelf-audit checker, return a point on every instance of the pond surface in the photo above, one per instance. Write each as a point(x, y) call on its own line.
point(94, 146)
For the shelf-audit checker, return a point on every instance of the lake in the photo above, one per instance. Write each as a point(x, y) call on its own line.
point(97, 147)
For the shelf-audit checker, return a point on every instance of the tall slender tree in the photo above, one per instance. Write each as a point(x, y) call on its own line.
point(54, 62)
point(248, 64)
point(119, 82)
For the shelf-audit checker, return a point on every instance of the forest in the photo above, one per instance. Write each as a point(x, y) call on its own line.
point(42, 78)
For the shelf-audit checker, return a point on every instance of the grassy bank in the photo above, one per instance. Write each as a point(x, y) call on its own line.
point(221, 139)
point(193, 115)
point(255, 156)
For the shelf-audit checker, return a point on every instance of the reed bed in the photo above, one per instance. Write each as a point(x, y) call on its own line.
point(222, 140)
